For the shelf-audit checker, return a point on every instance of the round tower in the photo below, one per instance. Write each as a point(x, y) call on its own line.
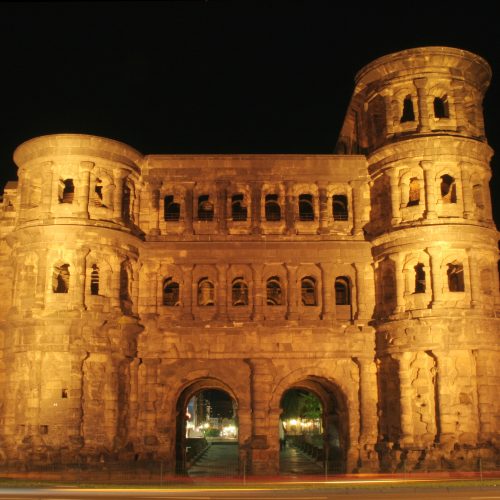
point(435, 252)
point(73, 314)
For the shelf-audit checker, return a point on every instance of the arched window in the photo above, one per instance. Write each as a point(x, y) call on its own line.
point(205, 208)
point(98, 193)
point(441, 109)
point(170, 293)
point(456, 277)
point(408, 113)
point(68, 191)
point(124, 282)
point(339, 207)
point(448, 189)
point(308, 291)
point(239, 292)
point(306, 207)
point(273, 291)
point(419, 278)
point(126, 203)
point(94, 280)
point(206, 292)
point(238, 208)
point(171, 209)
point(477, 193)
point(60, 279)
point(272, 207)
point(414, 192)
point(342, 291)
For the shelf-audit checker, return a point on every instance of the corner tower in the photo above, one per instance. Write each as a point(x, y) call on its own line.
point(417, 115)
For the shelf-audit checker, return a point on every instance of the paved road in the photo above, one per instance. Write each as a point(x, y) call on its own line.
point(262, 494)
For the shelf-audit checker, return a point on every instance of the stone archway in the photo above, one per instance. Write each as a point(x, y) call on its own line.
point(195, 388)
point(332, 455)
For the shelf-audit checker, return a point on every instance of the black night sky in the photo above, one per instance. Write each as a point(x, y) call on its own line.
point(214, 77)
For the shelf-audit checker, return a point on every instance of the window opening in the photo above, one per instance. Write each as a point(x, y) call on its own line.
point(205, 208)
point(308, 291)
point(273, 291)
point(94, 280)
point(239, 292)
point(408, 113)
point(441, 109)
point(455, 277)
point(414, 192)
point(170, 293)
point(172, 210)
point(342, 291)
point(60, 279)
point(448, 189)
point(419, 278)
point(306, 207)
point(238, 208)
point(339, 206)
point(68, 192)
point(206, 293)
point(273, 209)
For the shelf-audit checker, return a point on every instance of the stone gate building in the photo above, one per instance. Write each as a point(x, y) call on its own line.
point(369, 277)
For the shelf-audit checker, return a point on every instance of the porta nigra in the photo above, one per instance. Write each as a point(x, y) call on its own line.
point(368, 277)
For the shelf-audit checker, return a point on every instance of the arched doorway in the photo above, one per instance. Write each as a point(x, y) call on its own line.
point(314, 423)
point(207, 430)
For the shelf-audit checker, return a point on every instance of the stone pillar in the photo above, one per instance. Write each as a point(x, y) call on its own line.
point(323, 208)
point(389, 117)
point(119, 177)
point(264, 460)
point(395, 197)
point(115, 282)
point(79, 278)
point(289, 208)
point(292, 308)
point(154, 216)
point(24, 191)
point(423, 110)
point(327, 278)
point(256, 202)
point(222, 205)
point(405, 397)
point(400, 282)
point(368, 400)
point(475, 292)
point(188, 209)
point(459, 100)
point(221, 292)
point(83, 189)
point(436, 275)
point(465, 168)
point(358, 208)
point(430, 189)
point(47, 188)
point(488, 211)
point(187, 292)
point(362, 270)
point(258, 292)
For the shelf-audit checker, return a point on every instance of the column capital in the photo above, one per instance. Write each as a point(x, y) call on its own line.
point(427, 164)
point(420, 83)
point(87, 166)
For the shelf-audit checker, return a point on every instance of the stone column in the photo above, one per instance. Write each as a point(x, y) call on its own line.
point(327, 278)
point(47, 190)
point(488, 212)
point(292, 308)
point(362, 270)
point(119, 177)
point(405, 397)
point(458, 97)
point(430, 189)
point(395, 196)
point(423, 110)
point(222, 292)
point(187, 292)
point(264, 461)
point(188, 209)
point(323, 208)
point(289, 208)
point(475, 292)
point(400, 282)
point(115, 282)
point(436, 275)
point(154, 216)
point(222, 205)
point(79, 278)
point(258, 292)
point(358, 208)
point(465, 168)
point(389, 117)
point(368, 400)
point(24, 191)
point(83, 189)
point(256, 202)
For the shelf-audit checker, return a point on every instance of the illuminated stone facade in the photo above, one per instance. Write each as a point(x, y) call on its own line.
point(369, 277)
